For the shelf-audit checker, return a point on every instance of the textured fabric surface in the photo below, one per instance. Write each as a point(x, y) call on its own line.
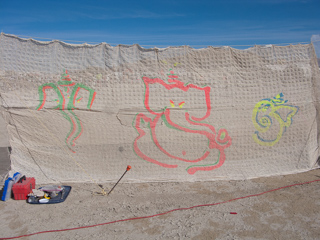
point(84, 112)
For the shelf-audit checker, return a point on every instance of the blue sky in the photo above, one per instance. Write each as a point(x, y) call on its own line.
point(164, 23)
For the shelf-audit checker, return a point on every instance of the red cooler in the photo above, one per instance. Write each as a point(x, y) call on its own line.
point(21, 190)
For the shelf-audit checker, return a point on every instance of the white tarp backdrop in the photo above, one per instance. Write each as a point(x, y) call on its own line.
point(83, 112)
point(316, 42)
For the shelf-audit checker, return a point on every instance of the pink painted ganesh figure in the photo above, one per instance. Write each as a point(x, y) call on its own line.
point(168, 122)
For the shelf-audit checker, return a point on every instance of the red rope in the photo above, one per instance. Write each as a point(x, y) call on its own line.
point(159, 214)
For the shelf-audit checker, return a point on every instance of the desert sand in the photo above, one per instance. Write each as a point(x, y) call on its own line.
point(287, 213)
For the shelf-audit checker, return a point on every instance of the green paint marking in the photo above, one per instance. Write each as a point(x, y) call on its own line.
point(205, 165)
point(79, 125)
point(66, 116)
point(223, 135)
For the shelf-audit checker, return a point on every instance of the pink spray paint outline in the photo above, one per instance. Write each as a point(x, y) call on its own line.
point(175, 83)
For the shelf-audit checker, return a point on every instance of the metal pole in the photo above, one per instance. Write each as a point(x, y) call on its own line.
point(128, 168)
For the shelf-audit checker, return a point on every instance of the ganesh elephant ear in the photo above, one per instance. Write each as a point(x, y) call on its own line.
point(157, 96)
point(160, 95)
point(285, 113)
point(51, 96)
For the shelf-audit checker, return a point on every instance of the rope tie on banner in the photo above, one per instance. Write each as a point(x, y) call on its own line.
point(102, 192)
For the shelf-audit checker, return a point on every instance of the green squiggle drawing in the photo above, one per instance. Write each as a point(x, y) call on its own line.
point(65, 84)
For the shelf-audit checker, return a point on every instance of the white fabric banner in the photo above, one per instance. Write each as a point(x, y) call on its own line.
point(84, 112)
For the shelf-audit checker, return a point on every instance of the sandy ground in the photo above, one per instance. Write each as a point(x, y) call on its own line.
point(289, 213)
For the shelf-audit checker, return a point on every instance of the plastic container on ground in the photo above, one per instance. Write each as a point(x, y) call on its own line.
point(21, 190)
